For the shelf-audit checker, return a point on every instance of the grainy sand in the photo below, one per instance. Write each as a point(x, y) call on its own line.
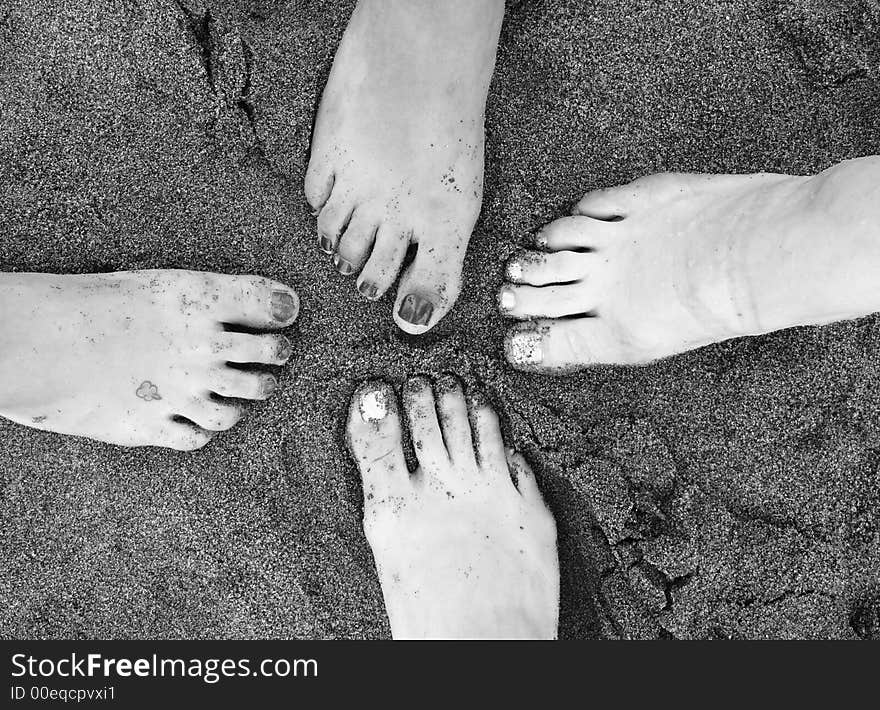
point(729, 492)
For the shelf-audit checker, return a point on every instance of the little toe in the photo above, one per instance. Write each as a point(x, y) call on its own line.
point(575, 233)
point(428, 288)
point(182, 436)
point(333, 219)
point(544, 301)
point(561, 345)
point(607, 203)
point(262, 349)
point(384, 262)
point(212, 415)
point(424, 427)
point(452, 412)
point(622, 200)
point(524, 478)
point(374, 436)
point(355, 244)
point(256, 302)
point(318, 183)
point(543, 269)
point(239, 384)
point(488, 440)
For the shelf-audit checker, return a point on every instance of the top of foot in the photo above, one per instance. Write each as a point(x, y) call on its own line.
point(397, 153)
point(462, 550)
point(139, 358)
point(666, 264)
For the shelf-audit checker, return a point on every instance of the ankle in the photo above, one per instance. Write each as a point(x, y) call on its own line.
point(434, 30)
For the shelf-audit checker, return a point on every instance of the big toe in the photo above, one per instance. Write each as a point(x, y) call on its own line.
point(376, 441)
point(318, 182)
point(256, 302)
point(621, 201)
point(558, 346)
point(428, 288)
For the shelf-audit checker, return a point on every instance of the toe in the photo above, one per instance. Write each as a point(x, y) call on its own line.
point(545, 301)
point(575, 233)
point(212, 415)
point(333, 219)
point(256, 302)
point(355, 244)
point(488, 441)
point(384, 262)
point(562, 345)
point(540, 269)
point(318, 182)
point(428, 288)
point(424, 427)
point(621, 201)
point(375, 440)
point(523, 477)
point(608, 203)
point(182, 436)
point(238, 384)
point(263, 349)
point(453, 414)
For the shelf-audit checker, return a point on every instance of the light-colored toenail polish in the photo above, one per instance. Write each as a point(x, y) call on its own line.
point(514, 271)
point(525, 348)
point(373, 406)
point(507, 300)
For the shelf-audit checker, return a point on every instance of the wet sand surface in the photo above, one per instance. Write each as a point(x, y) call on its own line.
point(729, 492)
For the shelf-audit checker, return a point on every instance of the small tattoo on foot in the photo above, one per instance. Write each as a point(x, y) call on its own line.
point(148, 391)
point(38, 420)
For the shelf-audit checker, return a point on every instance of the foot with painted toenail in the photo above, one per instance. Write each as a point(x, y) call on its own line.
point(139, 358)
point(464, 546)
point(397, 153)
point(673, 262)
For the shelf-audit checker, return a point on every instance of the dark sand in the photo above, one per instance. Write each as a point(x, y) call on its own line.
point(733, 491)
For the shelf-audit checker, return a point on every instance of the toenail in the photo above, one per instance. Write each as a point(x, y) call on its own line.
point(325, 244)
point(415, 385)
point(283, 306)
point(415, 310)
point(506, 300)
point(373, 406)
point(285, 349)
point(343, 266)
point(514, 271)
point(368, 290)
point(270, 384)
point(525, 348)
point(448, 382)
point(477, 400)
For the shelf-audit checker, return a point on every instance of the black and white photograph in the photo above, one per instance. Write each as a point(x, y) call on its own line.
point(437, 320)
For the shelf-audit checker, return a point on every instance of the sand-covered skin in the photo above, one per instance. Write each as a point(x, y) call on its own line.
point(733, 491)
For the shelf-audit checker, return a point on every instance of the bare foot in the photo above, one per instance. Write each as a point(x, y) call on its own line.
point(462, 551)
point(673, 262)
point(397, 154)
point(123, 357)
